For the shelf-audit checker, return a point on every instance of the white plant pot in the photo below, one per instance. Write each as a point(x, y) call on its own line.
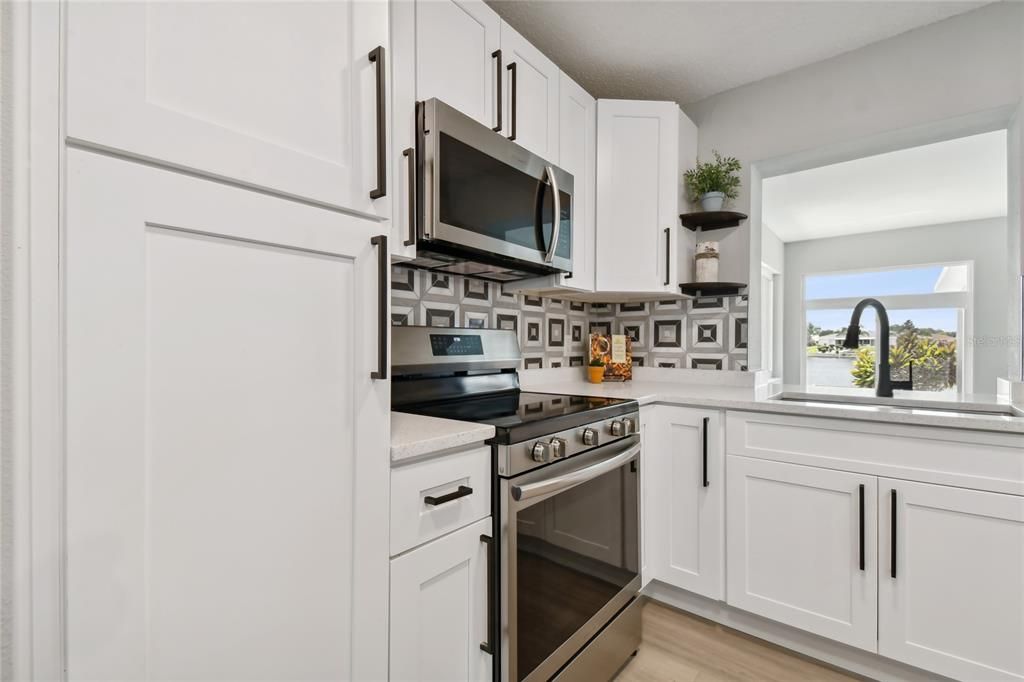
point(712, 201)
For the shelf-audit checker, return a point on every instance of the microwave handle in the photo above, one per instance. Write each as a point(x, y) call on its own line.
point(556, 219)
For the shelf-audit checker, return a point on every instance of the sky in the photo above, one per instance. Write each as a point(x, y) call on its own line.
point(879, 283)
point(920, 280)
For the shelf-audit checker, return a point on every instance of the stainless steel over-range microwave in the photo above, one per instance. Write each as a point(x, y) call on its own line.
point(483, 205)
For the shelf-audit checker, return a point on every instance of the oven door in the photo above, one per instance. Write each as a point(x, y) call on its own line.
point(571, 559)
point(486, 195)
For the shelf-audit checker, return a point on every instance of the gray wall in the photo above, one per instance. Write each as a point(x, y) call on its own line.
point(966, 64)
point(772, 250)
point(1015, 223)
point(981, 241)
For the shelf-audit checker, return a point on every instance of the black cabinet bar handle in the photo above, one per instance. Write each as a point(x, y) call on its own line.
point(862, 526)
point(410, 153)
point(668, 252)
point(705, 448)
point(512, 109)
point(892, 534)
point(383, 265)
point(488, 645)
point(461, 492)
point(497, 87)
point(377, 56)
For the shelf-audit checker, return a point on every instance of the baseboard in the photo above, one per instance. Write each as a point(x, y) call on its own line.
point(855, 660)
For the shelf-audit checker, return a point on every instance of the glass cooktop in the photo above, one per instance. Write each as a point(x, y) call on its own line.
point(519, 415)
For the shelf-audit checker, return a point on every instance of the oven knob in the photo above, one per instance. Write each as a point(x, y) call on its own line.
point(617, 428)
point(629, 424)
point(589, 436)
point(541, 452)
point(558, 449)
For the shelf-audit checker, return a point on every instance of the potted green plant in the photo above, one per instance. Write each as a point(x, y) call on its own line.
point(712, 182)
point(595, 371)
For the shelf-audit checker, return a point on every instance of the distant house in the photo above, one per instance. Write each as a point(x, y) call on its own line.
point(837, 338)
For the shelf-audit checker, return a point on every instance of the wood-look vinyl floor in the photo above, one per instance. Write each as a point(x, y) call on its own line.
point(679, 647)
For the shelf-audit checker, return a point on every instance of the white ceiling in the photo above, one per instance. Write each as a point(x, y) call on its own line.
point(686, 51)
point(962, 179)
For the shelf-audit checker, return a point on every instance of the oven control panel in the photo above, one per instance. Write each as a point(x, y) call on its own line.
point(443, 345)
point(520, 457)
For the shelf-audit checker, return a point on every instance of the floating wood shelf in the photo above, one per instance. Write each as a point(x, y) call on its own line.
point(711, 220)
point(711, 289)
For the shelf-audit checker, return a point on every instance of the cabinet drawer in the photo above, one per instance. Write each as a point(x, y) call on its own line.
point(957, 457)
point(415, 520)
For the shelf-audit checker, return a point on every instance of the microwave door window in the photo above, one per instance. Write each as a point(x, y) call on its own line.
point(483, 195)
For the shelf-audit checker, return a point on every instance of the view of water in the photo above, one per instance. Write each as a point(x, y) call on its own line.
point(826, 370)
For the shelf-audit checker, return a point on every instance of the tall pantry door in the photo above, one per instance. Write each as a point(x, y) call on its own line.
point(227, 464)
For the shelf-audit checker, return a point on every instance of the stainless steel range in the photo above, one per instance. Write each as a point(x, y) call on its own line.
point(565, 495)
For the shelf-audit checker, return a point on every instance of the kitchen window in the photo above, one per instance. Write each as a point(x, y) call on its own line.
point(931, 315)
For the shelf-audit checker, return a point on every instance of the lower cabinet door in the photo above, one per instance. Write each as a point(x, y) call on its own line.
point(684, 456)
point(801, 547)
point(439, 609)
point(951, 580)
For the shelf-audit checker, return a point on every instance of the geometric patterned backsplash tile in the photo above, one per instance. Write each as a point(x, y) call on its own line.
point(709, 333)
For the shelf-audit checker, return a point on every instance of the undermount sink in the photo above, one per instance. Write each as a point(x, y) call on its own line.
point(990, 408)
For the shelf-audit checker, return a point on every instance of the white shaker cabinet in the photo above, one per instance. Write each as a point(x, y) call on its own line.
point(577, 141)
point(685, 517)
point(448, 49)
point(439, 608)
point(455, 58)
point(279, 96)
point(801, 547)
point(642, 149)
point(952, 601)
point(531, 96)
point(227, 462)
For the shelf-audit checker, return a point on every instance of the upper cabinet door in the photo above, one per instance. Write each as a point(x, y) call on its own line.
point(227, 473)
point(952, 599)
point(455, 41)
point(280, 96)
point(577, 141)
point(532, 82)
point(637, 195)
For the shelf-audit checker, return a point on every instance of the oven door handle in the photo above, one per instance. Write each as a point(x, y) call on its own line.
point(573, 478)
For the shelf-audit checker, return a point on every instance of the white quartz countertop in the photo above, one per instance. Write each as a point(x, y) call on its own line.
point(413, 435)
point(742, 398)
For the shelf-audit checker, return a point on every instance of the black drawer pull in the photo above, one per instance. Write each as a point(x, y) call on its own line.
point(410, 153)
point(892, 534)
point(461, 492)
point(862, 549)
point(377, 57)
point(668, 253)
point(487, 646)
point(705, 451)
point(514, 86)
point(383, 299)
point(497, 88)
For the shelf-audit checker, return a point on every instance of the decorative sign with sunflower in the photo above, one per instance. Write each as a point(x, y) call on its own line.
point(616, 352)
